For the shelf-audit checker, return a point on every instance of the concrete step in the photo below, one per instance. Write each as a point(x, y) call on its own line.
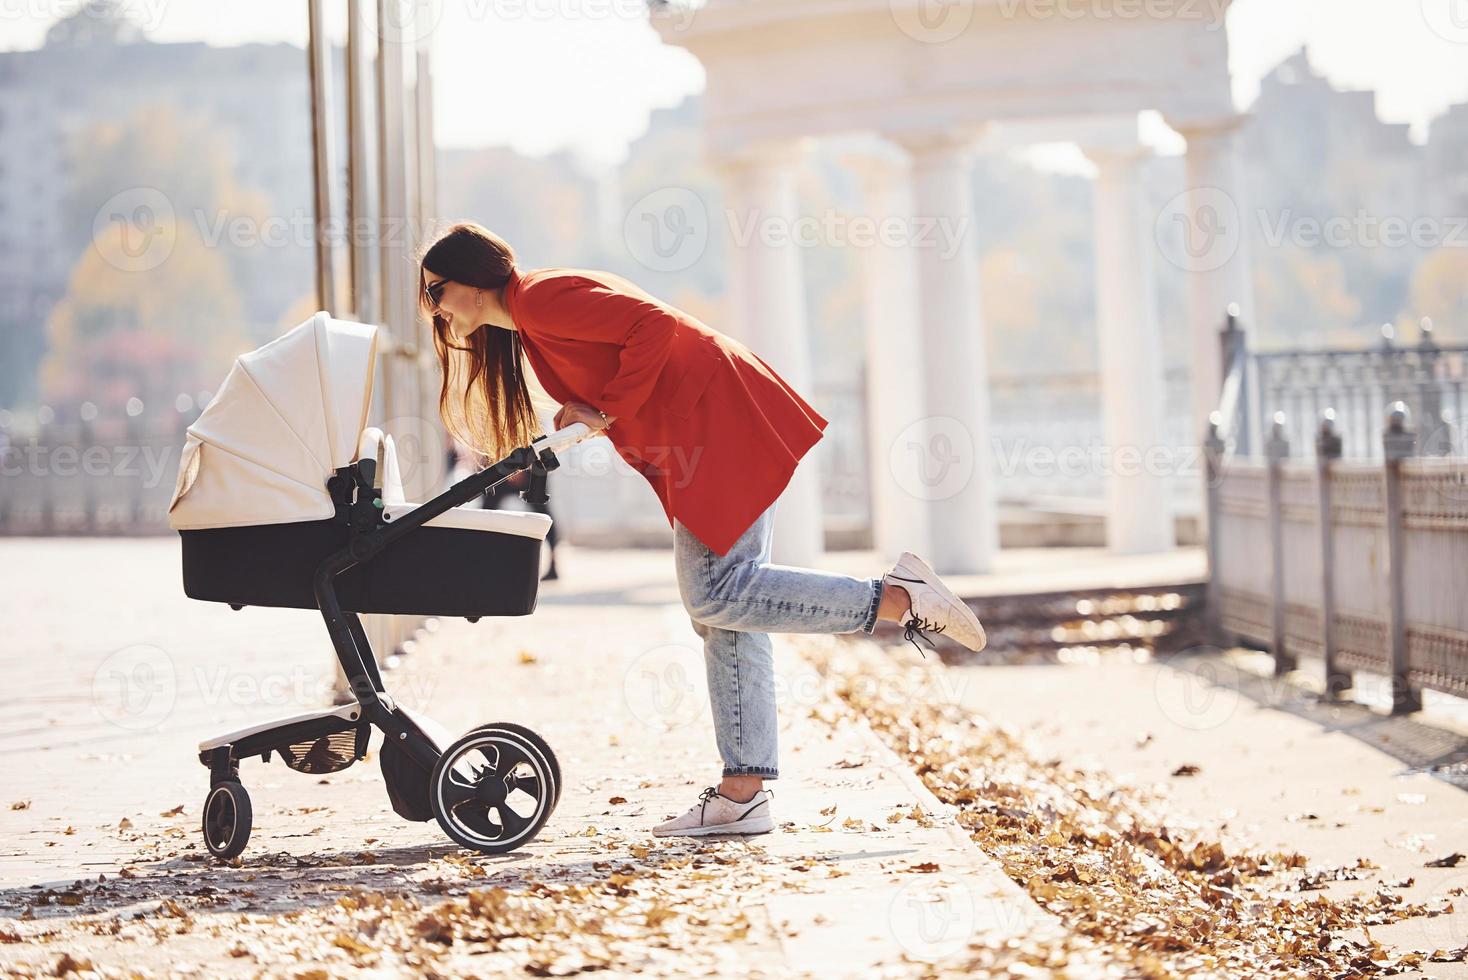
point(1023, 627)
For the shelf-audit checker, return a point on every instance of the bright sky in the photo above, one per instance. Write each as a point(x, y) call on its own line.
point(521, 72)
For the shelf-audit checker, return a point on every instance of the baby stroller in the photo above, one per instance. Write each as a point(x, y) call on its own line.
point(285, 497)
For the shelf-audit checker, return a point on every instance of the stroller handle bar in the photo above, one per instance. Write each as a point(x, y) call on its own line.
point(369, 544)
point(563, 439)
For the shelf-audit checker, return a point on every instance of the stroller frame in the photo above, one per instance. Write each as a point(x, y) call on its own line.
point(519, 758)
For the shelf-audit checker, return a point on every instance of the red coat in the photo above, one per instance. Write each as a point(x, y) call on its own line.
point(711, 426)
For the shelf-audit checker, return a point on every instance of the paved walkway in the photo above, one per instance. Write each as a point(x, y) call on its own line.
point(120, 675)
point(116, 676)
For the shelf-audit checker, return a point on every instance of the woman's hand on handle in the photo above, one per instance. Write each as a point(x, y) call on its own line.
point(573, 412)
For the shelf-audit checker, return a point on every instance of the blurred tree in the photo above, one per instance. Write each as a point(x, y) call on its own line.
point(152, 325)
point(1440, 291)
point(119, 334)
point(1308, 298)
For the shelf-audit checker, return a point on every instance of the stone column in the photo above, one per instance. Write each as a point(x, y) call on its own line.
point(894, 354)
point(947, 459)
point(767, 311)
point(1139, 515)
point(1215, 257)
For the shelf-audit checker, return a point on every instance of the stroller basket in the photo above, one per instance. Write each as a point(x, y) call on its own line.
point(329, 753)
point(435, 571)
point(257, 513)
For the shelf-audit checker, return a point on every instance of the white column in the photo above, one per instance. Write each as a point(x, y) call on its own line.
point(767, 312)
point(1139, 515)
point(1216, 257)
point(894, 356)
point(947, 459)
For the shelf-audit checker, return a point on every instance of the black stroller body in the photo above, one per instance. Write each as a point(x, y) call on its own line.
point(333, 533)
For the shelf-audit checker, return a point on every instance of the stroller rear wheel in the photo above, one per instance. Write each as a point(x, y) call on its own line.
point(494, 789)
point(228, 818)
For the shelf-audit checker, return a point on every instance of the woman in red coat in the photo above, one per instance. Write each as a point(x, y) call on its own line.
point(716, 432)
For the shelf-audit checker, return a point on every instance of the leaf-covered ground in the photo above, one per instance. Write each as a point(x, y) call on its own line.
point(1159, 900)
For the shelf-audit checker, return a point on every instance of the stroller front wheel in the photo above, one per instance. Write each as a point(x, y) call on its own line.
point(494, 789)
point(228, 818)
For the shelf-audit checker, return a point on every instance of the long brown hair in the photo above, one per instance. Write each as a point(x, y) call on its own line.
point(483, 399)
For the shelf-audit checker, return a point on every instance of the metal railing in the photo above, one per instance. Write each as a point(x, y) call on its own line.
point(90, 472)
point(1361, 561)
point(1359, 386)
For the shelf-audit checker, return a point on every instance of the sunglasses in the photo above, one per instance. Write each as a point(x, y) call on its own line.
point(434, 292)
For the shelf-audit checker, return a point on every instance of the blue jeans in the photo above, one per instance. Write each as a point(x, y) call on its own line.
point(735, 601)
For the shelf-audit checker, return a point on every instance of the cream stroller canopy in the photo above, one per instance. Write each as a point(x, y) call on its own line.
point(287, 416)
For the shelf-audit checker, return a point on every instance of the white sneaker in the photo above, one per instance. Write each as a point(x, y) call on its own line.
point(715, 814)
point(933, 607)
